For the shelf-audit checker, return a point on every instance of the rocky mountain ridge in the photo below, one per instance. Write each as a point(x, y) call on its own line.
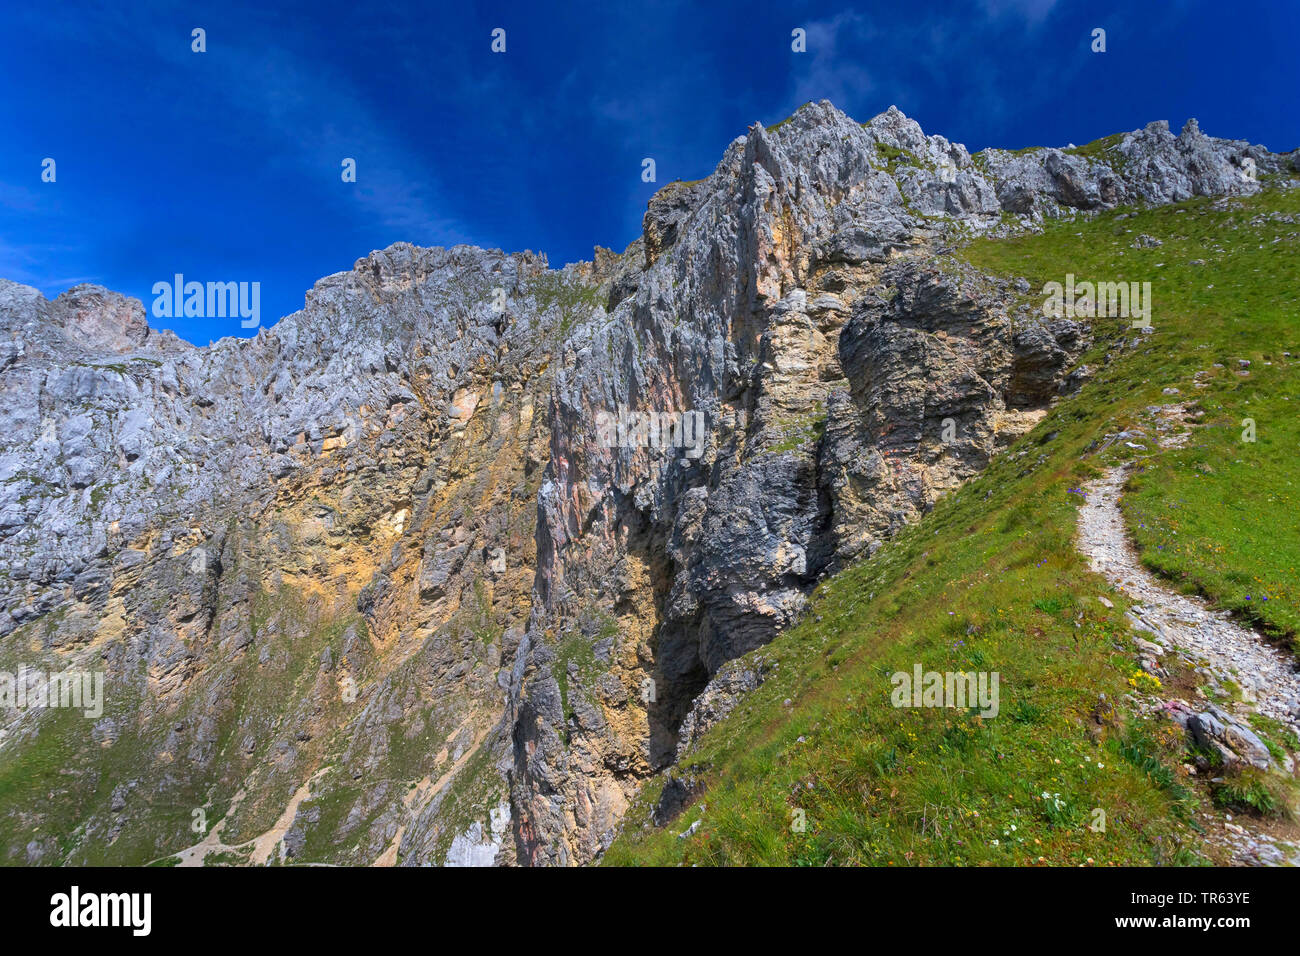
point(383, 548)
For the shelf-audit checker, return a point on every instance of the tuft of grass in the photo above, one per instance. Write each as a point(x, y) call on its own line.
point(572, 299)
point(895, 156)
point(1103, 150)
point(1247, 792)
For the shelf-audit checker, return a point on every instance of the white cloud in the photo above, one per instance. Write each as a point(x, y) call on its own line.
point(829, 73)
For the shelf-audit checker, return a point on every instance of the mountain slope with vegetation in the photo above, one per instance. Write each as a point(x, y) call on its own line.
point(378, 587)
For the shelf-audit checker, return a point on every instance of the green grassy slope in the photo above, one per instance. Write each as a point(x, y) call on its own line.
point(990, 581)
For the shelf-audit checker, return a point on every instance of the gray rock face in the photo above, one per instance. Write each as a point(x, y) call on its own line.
point(729, 685)
point(393, 545)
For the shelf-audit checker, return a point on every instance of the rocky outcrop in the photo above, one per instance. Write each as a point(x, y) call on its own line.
point(1149, 165)
point(940, 378)
point(464, 547)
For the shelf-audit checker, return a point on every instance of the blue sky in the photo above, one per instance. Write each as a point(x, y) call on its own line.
point(225, 165)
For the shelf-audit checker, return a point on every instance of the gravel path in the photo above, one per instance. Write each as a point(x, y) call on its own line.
point(1212, 643)
point(1226, 649)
